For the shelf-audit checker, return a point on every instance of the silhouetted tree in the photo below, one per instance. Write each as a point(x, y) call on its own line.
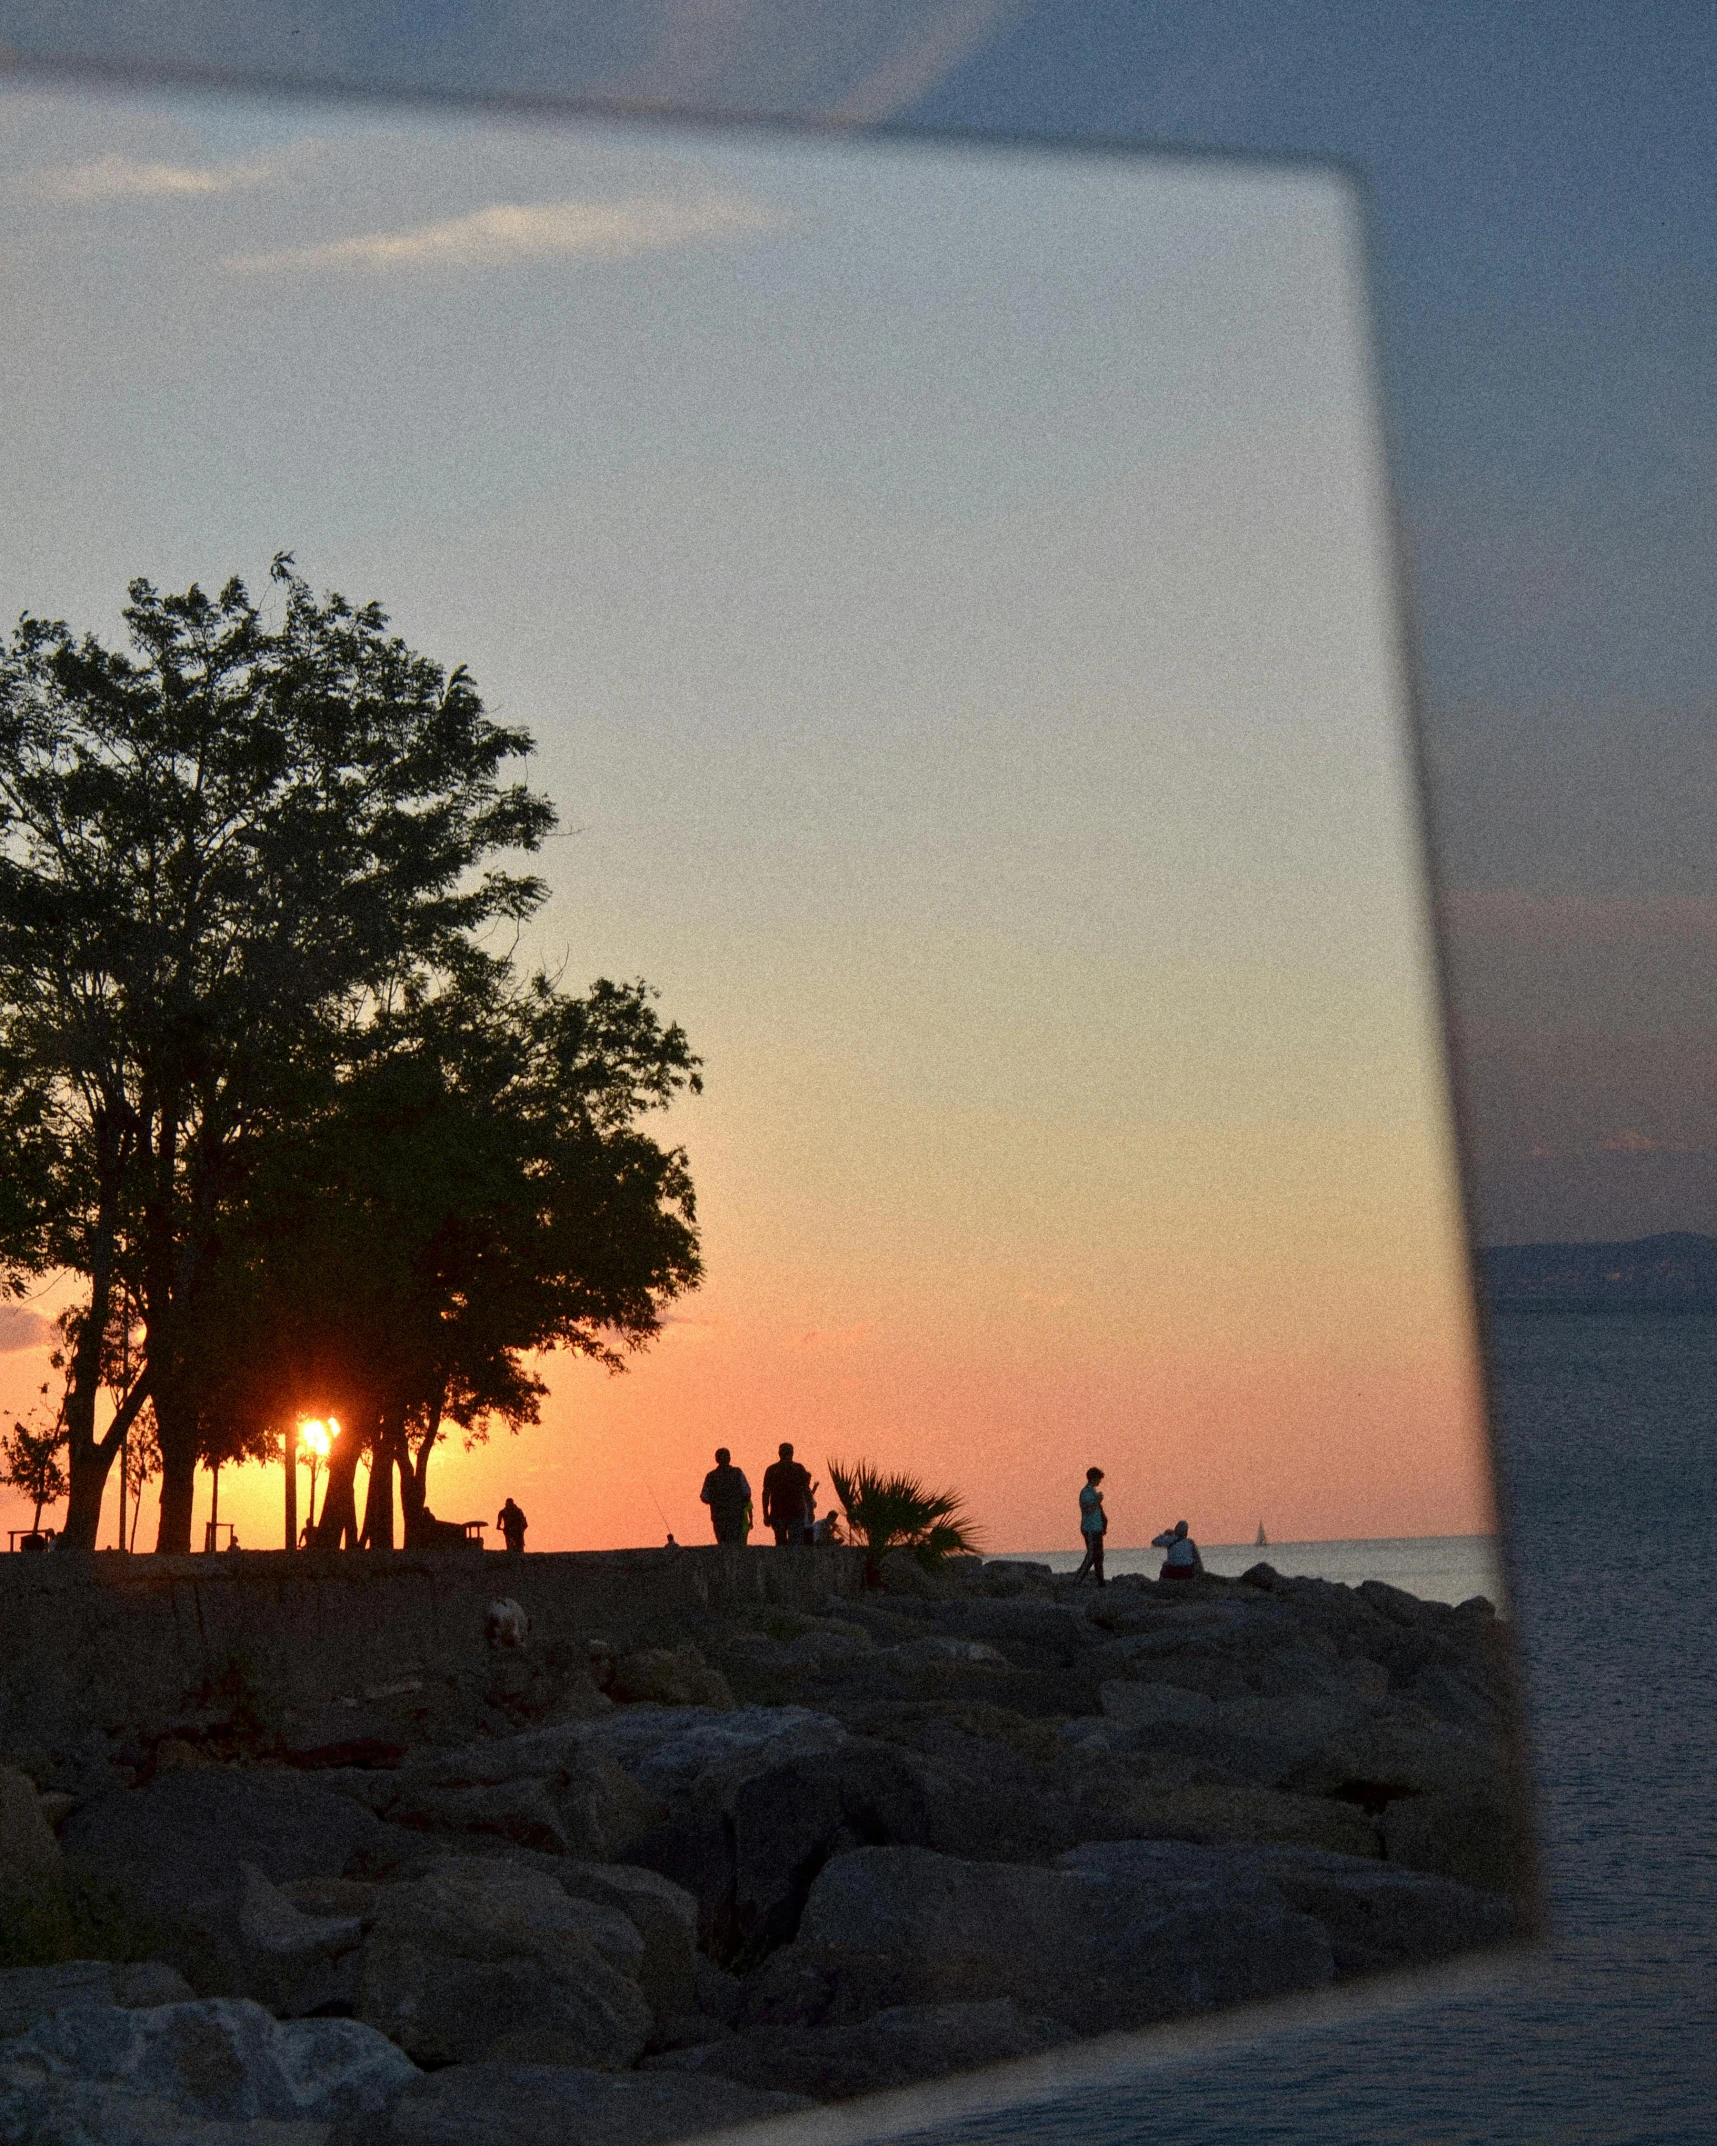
point(476, 1190)
point(32, 1463)
point(222, 857)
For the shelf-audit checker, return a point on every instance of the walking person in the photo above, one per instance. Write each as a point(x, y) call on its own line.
point(787, 1498)
point(1093, 1526)
point(728, 1496)
point(512, 1524)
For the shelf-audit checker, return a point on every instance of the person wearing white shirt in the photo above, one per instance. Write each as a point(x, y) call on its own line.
point(1183, 1561)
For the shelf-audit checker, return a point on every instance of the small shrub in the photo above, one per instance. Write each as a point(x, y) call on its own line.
point(896, 1512)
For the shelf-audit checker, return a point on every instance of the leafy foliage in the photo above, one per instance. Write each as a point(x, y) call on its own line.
point(246, 874)
point(896, 1512)
point(34, 1464)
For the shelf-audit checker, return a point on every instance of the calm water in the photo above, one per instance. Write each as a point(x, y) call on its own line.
point(1611, 1466)
point(1437, 1568)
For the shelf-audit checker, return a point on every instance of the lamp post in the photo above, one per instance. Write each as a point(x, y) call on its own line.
point(291, 1442)
point(318, 1436)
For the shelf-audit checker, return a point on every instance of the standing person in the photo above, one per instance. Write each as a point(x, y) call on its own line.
point(1183, 1561)
point(728, 1496)
point(787, 1498)
point(1093, 1526)
point(512, 1524)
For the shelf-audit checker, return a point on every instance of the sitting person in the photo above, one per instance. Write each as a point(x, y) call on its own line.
point(1183, 1561)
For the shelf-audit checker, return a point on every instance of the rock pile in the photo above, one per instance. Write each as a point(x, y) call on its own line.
point(723, 1868)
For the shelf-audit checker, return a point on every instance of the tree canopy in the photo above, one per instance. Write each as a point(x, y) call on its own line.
point(266, 1088)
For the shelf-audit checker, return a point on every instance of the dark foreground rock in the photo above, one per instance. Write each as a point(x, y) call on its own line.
point(107, 2074)
point(1376, 1916)
point(28, 1994)
point(557, 2105)
point(486, 1959)
point(1095, 1949)
point(898, 2047)
point(781, 1851)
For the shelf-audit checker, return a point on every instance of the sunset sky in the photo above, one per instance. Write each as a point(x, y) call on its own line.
point(951, 595)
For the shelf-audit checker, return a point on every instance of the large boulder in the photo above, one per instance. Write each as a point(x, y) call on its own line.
point(482, 1958)
point(28, 1994)
point(1376, 1915)
point(750, 1856)
point(244, 1938)
point(898, 2047)
point(1091, 1948)
point(1478, 1839)
point(1394, 1750)
point(543, 1790)
point(691, 1754)
point(671, 1676)
point(549, 2105)
point(34, 1927)
point(100, 2071)
point(186, 1834)
point(1208, 1813)
point(197, 1857)
point(665, 1917)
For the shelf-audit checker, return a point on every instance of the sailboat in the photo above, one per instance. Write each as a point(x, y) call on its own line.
point(1263, 1542)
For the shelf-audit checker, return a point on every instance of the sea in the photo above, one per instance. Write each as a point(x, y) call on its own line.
point(1605, 2035)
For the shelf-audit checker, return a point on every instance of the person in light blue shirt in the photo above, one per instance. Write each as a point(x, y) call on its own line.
point(1093, 1525)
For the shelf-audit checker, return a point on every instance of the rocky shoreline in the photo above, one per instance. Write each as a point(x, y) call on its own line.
point(633, 1885)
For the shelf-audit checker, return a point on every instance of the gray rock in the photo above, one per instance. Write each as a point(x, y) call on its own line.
point(28, 1994)
point(1377, 1916)
point(690, 1752)
point(269, 1949)
point(524, 1811)
point(1477, 1839)
point(719, 1994)
point(1398, 1749)
point(1251, 1739)
point(221, 2059)
point(187, 1833)
point(900, 1573)
point(899, 2047)
point(1091, 1948)
point(751, 1858)
point(546, 1790)
point(933, 1648)
point(665, 1917)
point(33, 1922)
point(551, 2105)
point(489, 1959)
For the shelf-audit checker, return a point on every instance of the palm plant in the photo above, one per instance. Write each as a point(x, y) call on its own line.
point(896, 1512)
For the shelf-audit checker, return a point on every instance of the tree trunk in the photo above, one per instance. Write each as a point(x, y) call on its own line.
point(178, 1491)
point(414, 1479)
point(177, 1434)
point(338, 1526)
point(378, 1501)
point(83, 1500)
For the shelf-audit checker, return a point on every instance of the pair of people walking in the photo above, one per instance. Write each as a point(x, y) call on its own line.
point(1181, 1563)
point(789, 1498)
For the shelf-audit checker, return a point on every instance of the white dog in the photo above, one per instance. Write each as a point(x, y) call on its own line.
point(506, 1625)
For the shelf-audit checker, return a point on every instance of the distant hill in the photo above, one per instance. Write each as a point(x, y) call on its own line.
point(1674, 1272)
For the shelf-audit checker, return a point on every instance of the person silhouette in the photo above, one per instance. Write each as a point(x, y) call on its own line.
point(728, 1496)
point(1093, 1526)
point(512, 1524)
point(787, 1498)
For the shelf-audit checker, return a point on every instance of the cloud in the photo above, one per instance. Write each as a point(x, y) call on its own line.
point(524, 231)
point(20, 1329)
point(124, 178)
